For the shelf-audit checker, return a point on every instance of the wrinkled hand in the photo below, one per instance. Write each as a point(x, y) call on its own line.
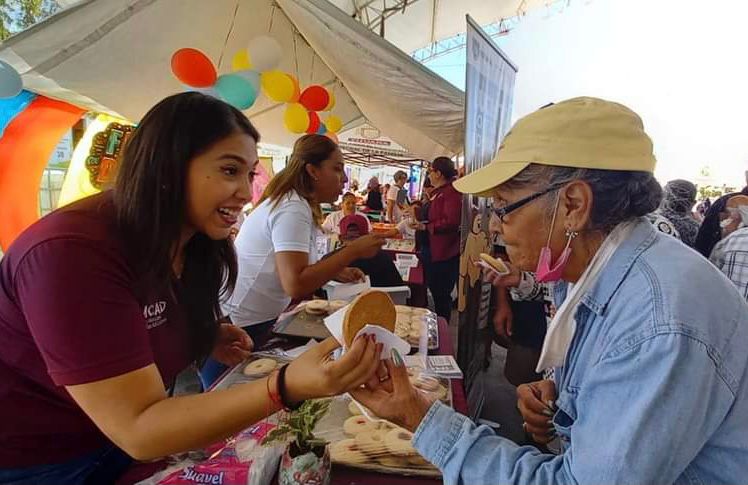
point(367, 246)
point(394, 399)
point(314, 374)
point(233, 345)
point(511, 280)
point(536, 403)
point(350, 275)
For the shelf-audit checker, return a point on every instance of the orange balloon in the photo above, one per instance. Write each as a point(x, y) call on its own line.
point(193, 68)
point(296, 89)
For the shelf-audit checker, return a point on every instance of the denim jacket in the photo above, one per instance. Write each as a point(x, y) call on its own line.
point(653, 389)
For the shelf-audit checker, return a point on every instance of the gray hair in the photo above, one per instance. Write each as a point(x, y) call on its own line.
point(400, 175)
point(619, 195)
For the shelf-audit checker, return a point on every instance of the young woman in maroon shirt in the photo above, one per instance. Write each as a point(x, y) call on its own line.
point(105, 301)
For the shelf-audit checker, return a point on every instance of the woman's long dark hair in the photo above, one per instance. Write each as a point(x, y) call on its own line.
point(151, 200)
point(710, 232)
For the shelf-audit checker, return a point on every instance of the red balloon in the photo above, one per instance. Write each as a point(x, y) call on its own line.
point(315, 98)
point(193, 68)
point(314, 122)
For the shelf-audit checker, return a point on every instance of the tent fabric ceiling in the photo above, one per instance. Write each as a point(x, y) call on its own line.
point(113, 56)
point(383, 80)
point(413, 24)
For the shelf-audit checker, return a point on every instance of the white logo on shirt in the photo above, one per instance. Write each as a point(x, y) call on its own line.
point(154, 314)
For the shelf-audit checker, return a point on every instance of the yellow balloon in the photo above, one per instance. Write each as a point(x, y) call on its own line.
point(331, 103)
point(333, 123)
point(296, 118)
point(277, 86)
point(241, 61)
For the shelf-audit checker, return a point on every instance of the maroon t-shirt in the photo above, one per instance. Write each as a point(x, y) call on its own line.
point(71, 312)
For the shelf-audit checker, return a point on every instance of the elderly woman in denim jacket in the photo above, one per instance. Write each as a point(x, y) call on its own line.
point(648, 342)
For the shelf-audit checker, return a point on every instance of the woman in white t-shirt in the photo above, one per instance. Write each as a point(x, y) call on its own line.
point(276, 246)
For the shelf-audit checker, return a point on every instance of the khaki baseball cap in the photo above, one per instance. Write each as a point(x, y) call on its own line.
point(579, 133)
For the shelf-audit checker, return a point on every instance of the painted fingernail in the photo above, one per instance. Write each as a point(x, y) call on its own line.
point(548, 412)
point(551, 404)
point(549, 422)
point(397, 359)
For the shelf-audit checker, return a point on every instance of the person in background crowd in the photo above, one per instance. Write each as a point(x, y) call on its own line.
point(428, 190)
point(380, 268)
point(678, 200)
point(276, 246)
point(442, 222)
point(374, 195)
point(647, 335)
point(354, 187)
point(730, 255)
point(519, 320)
point(105, 301)
point(701, 209)
point(663, 224)
point(711, 230)
point(347, 208)
point(735, 215)
point(393, 198)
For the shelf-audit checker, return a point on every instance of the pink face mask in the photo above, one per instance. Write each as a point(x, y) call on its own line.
point(546, 272)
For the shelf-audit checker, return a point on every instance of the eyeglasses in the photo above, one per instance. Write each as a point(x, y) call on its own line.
point(502, 212)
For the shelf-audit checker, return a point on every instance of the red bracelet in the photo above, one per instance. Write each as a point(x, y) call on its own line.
point(275, 397)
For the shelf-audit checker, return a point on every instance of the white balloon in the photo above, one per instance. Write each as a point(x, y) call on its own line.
point(252, 76)
point(10, 82)
point(265, 53)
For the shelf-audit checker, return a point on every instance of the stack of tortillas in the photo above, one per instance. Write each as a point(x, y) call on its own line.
point(370, 308)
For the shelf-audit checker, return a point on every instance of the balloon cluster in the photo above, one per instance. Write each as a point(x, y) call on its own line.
point(254, 71)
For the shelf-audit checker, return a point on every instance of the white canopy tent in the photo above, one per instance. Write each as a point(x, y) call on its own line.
point(113, 56)
point(413, 24)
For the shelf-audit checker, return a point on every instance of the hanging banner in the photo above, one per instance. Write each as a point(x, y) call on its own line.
point(489, 91)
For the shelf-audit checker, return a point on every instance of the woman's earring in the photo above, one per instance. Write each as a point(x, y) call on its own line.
point(571, 234)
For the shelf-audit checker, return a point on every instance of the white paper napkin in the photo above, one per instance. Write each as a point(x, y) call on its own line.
point(334, 324)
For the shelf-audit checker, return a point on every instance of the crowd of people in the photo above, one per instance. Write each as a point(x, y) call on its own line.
point(644, 368)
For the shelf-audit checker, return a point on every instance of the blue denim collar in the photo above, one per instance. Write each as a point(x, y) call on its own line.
point(598, 297)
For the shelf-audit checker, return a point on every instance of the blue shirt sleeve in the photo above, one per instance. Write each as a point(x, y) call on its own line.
point(641, 416)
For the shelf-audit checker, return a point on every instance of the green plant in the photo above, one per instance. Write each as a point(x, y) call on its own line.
point(298, 428)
